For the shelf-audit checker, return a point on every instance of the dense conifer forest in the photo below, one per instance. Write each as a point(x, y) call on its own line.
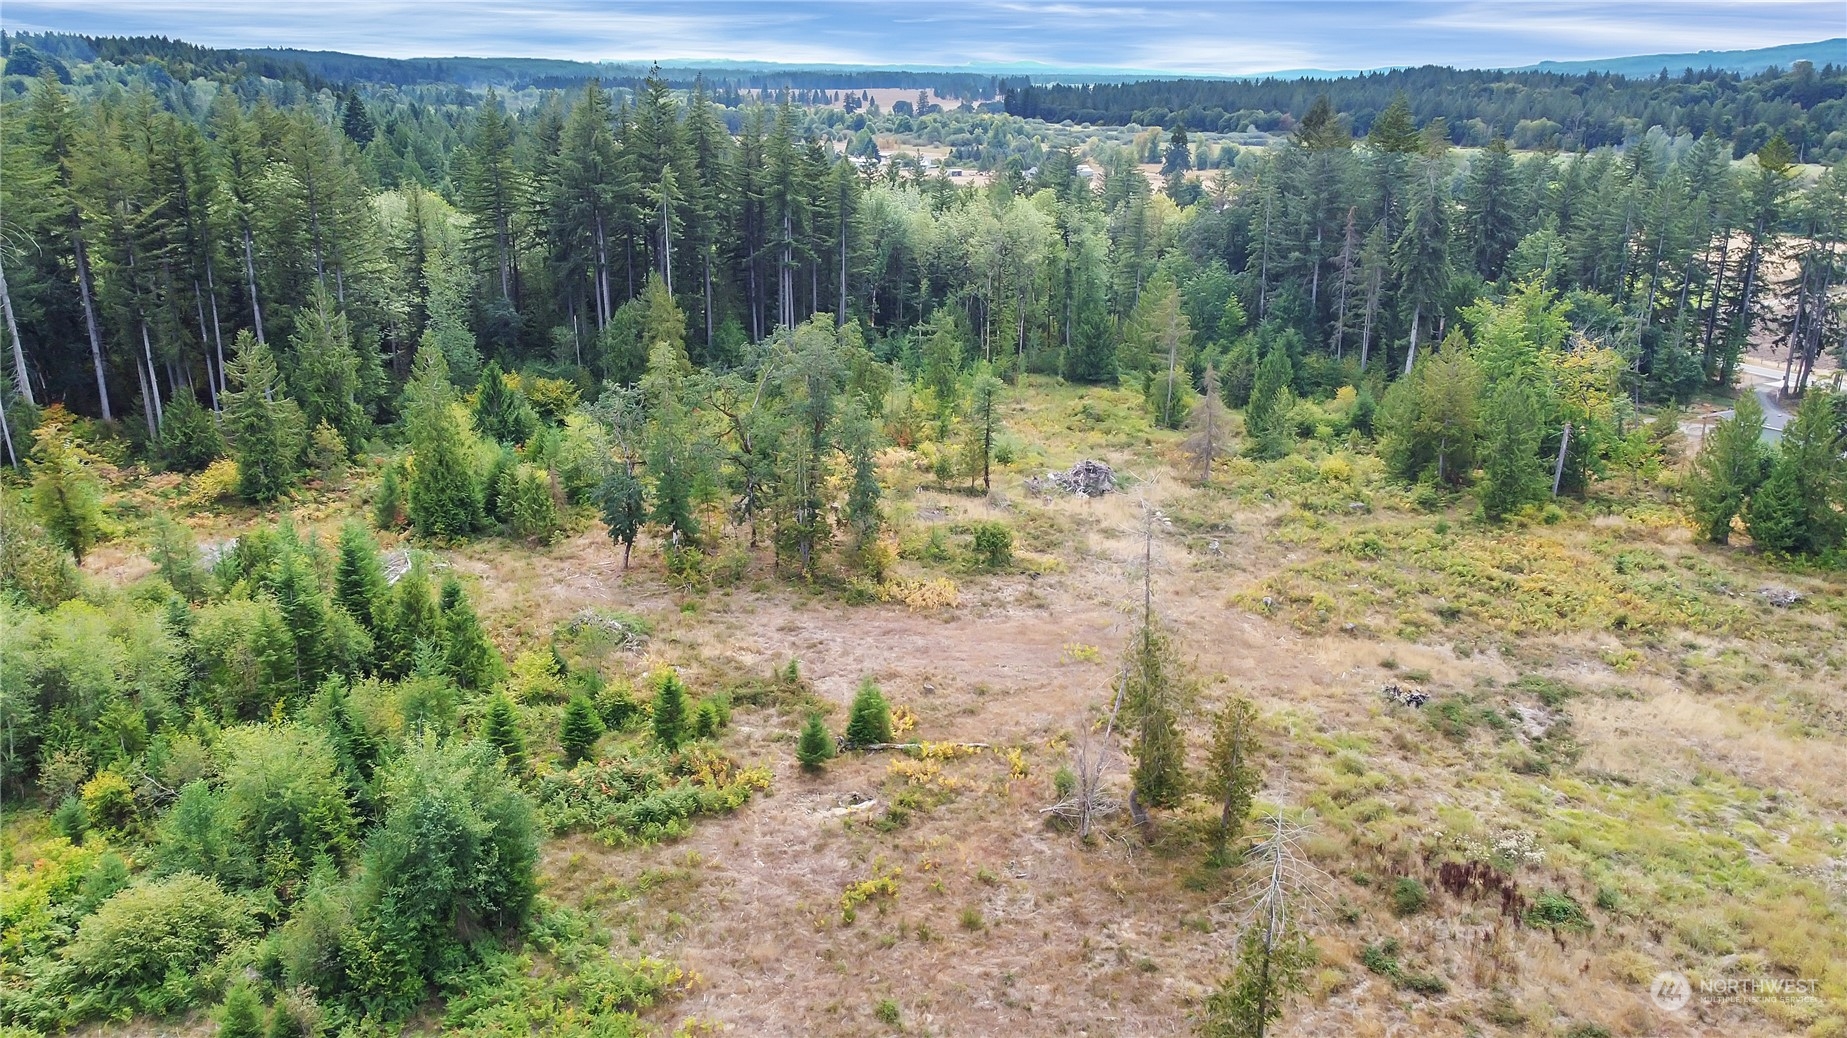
point(290, 777)
point(1557, 111)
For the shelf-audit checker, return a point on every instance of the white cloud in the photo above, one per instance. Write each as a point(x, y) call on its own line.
point(1199, 36)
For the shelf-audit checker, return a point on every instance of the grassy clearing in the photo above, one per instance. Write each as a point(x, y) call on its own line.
point(1629, 762)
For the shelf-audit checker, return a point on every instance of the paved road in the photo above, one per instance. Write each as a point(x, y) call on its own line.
point(1766, 381)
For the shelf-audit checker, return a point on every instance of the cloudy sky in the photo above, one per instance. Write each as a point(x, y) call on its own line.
point(1203, 36)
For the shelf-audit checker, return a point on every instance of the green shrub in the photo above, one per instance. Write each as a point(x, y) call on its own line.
point(580, 730)
point(993, 545)
point(109, 802)
point(146, 949)
point(282, 804)
point(241, 1015)
point(1409, 896)
point(66, 493)
point(870, 721)
point(669, 711)
point(616, 705)
point(458, 842)
point(189, 434)
point(388, 505)
point(1552, 908)
point(708, 719)
point(643, 798)
point(70, 820)
point(815, 747)
point(887, 1012)
point(327, 452)
point(1382, 958)
point(526, 503)
point(1424, 983)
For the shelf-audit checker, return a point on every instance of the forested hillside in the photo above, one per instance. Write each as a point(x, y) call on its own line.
point(1536, 109)
point(338, 418)
point(317, 69)
point(166, 219)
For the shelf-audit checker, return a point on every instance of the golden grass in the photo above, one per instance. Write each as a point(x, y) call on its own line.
point(1704, 817)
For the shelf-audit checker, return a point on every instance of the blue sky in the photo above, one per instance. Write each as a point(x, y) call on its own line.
point(1222, 36)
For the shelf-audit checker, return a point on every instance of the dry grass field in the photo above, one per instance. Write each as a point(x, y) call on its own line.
point(1658, 744)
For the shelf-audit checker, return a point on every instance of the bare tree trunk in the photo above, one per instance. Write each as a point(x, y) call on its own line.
point(147, 410)
point(666, 241)
point(1346, 282)
point(6, 434)
point(154, 415)
point(1558, 470)
point(19, 352)
point(1410, 357)
point(89, 318)
point(250, 278)
point(602, 275)
point(198, 300)
point(217, 334)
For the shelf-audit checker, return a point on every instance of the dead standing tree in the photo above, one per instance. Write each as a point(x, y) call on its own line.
point(1155, 687)
point(1274, 955)
point(1208, 428)
point(1095, 755)
point(1091, 759)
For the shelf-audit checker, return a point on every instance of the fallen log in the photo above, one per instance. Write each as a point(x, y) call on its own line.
point(918, 746)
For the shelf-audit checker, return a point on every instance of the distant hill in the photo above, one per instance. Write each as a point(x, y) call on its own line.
point(974, 79)
point(1743, 62)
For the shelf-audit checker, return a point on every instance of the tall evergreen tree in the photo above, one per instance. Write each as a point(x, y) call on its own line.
point(1513, 474)
point(1274, 373)
point(502, 731)
point(492, 194)
point(1730, 466)
point(983, 423)
point(1232, 776)
point(66, 495)
point(326, 375)
point(580, 730)
point(415, 629)
point(1799, 508)
point(1490, 210)
point(267, 430)
point(359, 579)
point(670, 712)
point(304, 610)
point(468, 657)
point(444, 496)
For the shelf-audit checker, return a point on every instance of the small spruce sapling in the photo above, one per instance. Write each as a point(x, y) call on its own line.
point(580, 730)
point(670, 712)
point(502, 732)
point(241, 1015)
point(869, 724)
point(816, 746)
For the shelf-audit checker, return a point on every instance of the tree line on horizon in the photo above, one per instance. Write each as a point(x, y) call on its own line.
point(180, 257)
point(1559, 111)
